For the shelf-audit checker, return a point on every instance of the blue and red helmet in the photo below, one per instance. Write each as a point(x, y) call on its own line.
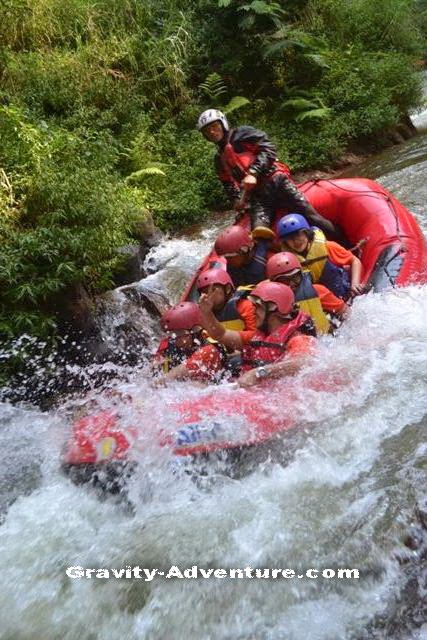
point(291, 223)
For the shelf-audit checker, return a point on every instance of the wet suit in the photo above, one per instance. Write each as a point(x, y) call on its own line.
point(274, 190)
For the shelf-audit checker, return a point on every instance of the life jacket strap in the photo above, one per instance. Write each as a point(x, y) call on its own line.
point(313, 260)
point(263, 343)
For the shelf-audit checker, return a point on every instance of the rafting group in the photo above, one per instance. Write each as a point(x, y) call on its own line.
point(281, 275)
point(272, 285)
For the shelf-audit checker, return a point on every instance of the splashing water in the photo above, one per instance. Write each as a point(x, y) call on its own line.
point(175, 261)
point(344, 500)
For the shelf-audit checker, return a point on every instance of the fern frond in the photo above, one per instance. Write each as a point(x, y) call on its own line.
point(213, 87)
point(235, 103)
point(139, 176)
point(323, 112)
point(299, 104)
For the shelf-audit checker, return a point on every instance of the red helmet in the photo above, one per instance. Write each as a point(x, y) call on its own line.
point(213, 276)
point(184, 315)
point(276, 292)
point(284, 263)
point(232, 240)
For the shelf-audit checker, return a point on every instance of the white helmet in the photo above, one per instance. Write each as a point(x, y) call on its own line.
point(212, 115)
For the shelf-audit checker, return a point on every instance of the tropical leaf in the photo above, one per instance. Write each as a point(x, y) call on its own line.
point(213, 87)
point(263, 8)
point(24, 291)
point(300, 103)
point(306, 44)
point(271, 10)
point(278, 47)
point(322, 112)
point(235, 103)
point(139, 176)
point(247, 22)
point(318, 58)
point(257, 6)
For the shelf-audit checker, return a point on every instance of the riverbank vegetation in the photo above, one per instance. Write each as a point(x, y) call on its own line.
point(98, 103)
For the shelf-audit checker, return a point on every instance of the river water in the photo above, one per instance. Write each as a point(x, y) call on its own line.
point(346, 498)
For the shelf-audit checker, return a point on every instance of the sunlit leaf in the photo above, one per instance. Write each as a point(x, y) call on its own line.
point(323, 112)
point(235, 103)
point(141, 175)
point(299, 103)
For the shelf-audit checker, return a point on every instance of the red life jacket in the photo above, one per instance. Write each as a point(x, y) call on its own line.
point(265, 349)
point(232, 161)
point(170, 356)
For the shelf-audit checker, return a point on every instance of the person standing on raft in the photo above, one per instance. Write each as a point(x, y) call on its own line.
point(246, 163)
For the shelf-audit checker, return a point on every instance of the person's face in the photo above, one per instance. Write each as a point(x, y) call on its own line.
point(297, 241)
point(292, 280)
point(217, 294)
point(240, 259)
point(213, 132)
point(261, 313)
point(261, 310)
point(237, 261)
point(185, 339)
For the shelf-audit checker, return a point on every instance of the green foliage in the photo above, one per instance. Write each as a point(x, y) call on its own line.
point(235, 103)
point(420, 12)
point(62, 220)
point(384, 25)
point(300, 108)
point(270, 10)
point(142, 174)
point(213, 88)
point(375, 99)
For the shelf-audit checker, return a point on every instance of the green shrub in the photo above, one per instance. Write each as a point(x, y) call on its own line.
point(384, 25)
point(189, 187)
point(65, 215)
point(371, 90)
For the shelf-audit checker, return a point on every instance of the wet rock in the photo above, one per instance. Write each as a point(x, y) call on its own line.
point(132, 269)
point(154, 239)
point(154, 301)
point(128, 320)
point(416, 538)
point(157, 261)
point(421, 511)
point(395, 137)
point(404, 131)
point(100, 339)
point(146, 232)
point(148, 236)
point(74, 310)
point(407, 127)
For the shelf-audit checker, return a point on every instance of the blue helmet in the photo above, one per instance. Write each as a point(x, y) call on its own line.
point(291, 223)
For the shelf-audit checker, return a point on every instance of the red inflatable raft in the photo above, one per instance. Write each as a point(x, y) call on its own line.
point(393, 253)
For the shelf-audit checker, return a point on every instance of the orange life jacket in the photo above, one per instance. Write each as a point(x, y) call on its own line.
point(265, 349)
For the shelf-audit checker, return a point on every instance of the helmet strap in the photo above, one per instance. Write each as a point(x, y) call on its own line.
point(292, 314)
